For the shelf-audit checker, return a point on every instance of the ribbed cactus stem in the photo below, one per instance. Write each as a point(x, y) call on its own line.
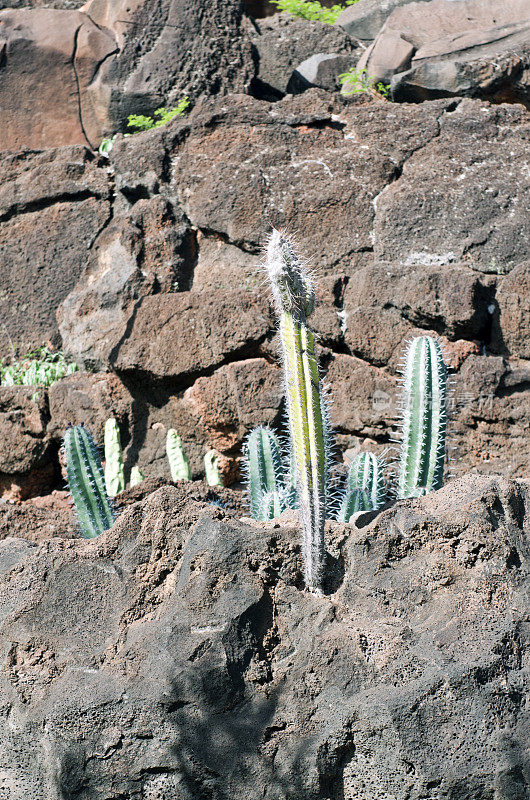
point(137, 476)
point(179, 466)
point(211, 468)
point(366, 473)
point(114, 469)
point(294, 298)
point(263, 466)
point(270, 506)
point(86, 482)
point(354, 500)
point(424, 418)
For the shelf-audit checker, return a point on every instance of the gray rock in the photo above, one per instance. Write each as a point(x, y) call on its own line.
point(321, 70)
point(364, 19)
point(476, 48)
point(283, 41)
point(177, 656)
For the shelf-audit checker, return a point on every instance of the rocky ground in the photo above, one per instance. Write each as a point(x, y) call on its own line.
point(178, 657)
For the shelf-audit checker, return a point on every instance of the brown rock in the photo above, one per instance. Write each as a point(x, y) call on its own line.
point(89, 399)
point(511, 330)
point(384, 304)
point(52, 206)
point(50, 58)
point(146, 250)
point(235, 399)
point(23, 438)
point(179, 335)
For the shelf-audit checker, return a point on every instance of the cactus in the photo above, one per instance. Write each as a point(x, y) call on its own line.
point(270, 505)
point(263, 466)
point(178, 462)
point(137, 476)
point(114, 471)
point(366, 474)
point(211, 468)
point(294, 298)
point(354, 500)
point(87, 483)
point(424, 418)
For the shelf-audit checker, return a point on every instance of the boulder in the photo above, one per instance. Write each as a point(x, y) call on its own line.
point(320, 70)
point(511, 334)
point(53, 205)
point(170, 49)
point(283, 42)
point(364, 19)
point(477, 48)
point(176, 336)
point(50, 58)
point(178, 656)
point(143, 251)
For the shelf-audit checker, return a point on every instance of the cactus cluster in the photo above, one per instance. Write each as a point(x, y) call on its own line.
point(423, 436)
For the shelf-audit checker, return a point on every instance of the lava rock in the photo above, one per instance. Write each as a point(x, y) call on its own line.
point(320, 70)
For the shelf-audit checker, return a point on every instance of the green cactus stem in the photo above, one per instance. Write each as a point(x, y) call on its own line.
point(294, 298)
point(354, 500)
point(424, 418)
point(114, 470)
point(263, 466)
point(270, 505)
point(179, 466)
point(366, 473)
point(86, 482)
point(211, 468)
point(137, 476)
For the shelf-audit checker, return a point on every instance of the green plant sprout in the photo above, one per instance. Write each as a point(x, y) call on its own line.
point(163, 115)
point(114, 469)
point(312, 9)
point(40, 367)
point(358, 82)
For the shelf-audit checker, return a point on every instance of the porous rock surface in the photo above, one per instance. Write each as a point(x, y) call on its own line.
point(178, 656)
point(414, 217)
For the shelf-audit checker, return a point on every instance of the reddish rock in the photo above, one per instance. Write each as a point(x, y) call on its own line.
point(24, 442)
point(511, 332)
point(49, 58)
point(178, 335)
point(235, 399)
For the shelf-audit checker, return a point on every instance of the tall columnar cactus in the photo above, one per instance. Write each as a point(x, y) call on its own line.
point(263, 466)
point(424, 418)
point(114, 470)
point(366, 474)
point(211, 468)
point(179, 466)
point(294, 298)
point(86, 482)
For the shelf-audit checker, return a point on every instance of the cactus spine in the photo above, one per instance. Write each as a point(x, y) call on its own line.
point(179, 465)
point(424, 418)
point(294, 299)
point(211, 468)
point(87, 482)
point(114, 470)
point(137, 476)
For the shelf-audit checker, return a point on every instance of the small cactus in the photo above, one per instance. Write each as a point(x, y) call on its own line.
point(179, 465)
point(424, 418)
point(364, 474)
point(263, 466)
point(86, 482)
point(354, 500)
point(294, 298)
point(137, 476)
point(211, 468)
point(114, 470)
